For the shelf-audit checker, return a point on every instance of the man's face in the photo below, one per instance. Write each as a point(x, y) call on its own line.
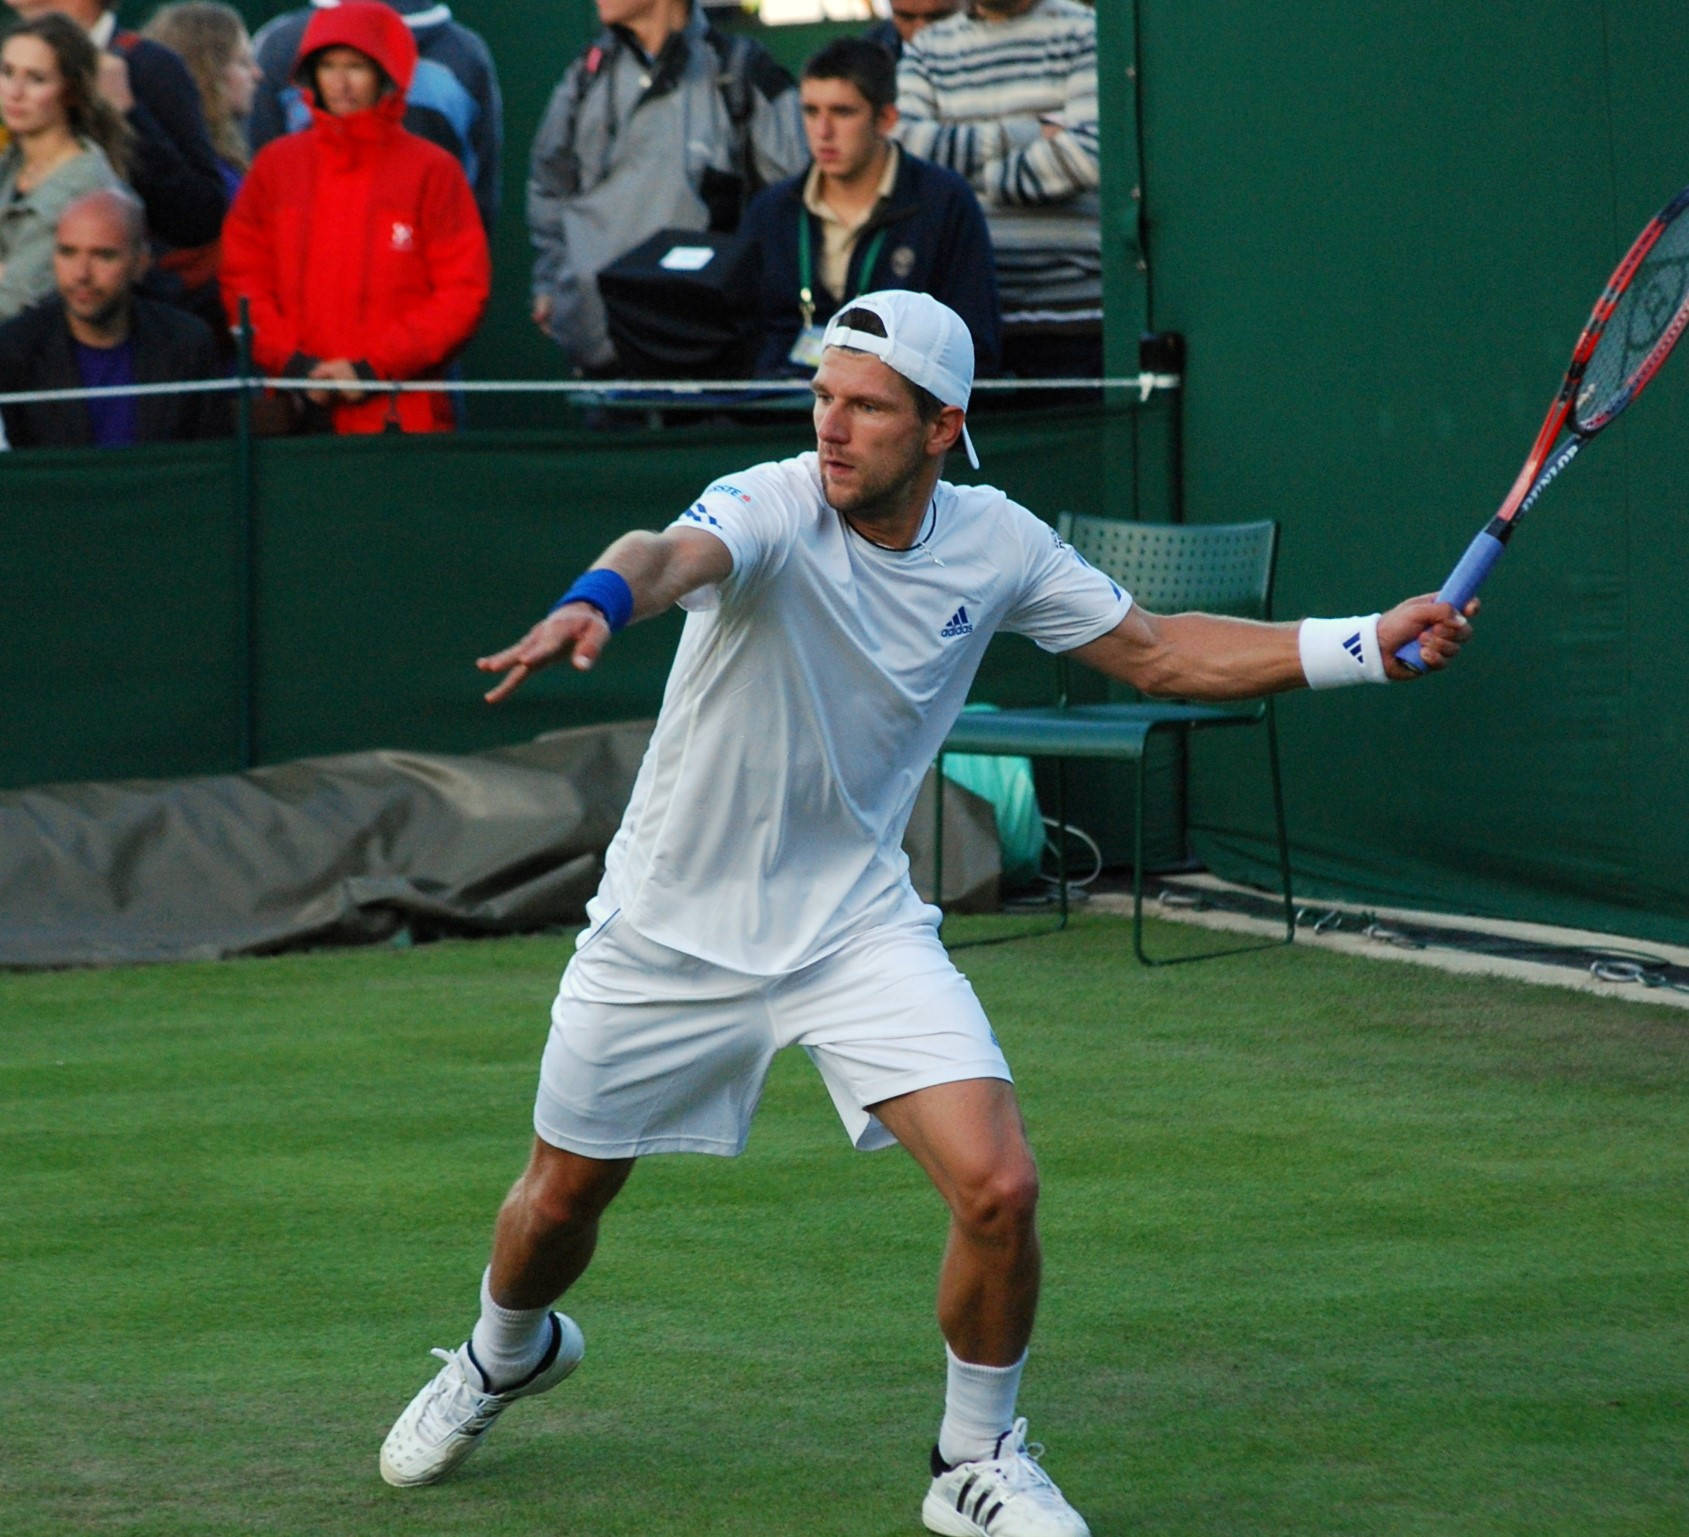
point(625, 13)
point(909, 16)
point(869, 436)
point(96, 263)
point(1002, 10)
point(844, 132)
point(347, 81)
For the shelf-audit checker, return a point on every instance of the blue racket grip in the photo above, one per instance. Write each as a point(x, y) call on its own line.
point(1464, 581)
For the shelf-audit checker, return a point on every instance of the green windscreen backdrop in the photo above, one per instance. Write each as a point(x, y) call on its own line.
point(381, 567)
point(1380, 232)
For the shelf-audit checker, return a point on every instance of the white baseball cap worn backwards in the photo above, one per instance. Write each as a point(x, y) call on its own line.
point(925, 341)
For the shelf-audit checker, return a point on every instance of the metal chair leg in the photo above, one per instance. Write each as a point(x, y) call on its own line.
point(1279, 826)
point(1138, 860)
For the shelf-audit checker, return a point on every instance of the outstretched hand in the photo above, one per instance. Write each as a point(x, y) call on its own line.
point(1440, 631)
point(576, 631)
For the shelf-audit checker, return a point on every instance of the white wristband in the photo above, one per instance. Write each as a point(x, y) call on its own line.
point(1339, 651)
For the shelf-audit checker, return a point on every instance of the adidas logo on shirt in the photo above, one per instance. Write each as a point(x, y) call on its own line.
point(959, 624)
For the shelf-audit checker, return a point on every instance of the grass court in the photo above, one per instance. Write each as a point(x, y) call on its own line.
point(1331, 1247)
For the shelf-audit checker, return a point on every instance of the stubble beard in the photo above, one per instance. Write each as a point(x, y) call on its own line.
point(873, 504)
point(108, 317)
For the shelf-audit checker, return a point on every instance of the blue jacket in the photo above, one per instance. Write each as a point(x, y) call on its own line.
point(935, 242)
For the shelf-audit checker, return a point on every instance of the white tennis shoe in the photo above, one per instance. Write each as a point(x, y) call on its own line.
point(1005, 1495)
point(445, 1422)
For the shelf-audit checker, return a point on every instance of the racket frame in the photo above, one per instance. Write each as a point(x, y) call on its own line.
point(1545, 461)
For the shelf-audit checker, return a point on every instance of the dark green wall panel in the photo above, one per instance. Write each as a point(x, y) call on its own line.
point(384, 567)
point(1381, 231)
point(120, 614)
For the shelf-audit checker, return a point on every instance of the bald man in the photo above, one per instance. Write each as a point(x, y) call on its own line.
point(96, 332)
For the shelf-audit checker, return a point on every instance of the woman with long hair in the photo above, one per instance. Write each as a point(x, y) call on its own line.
point(65, 140)
point(213, 42)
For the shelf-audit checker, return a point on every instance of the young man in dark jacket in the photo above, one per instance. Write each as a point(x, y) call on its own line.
point(866, 215)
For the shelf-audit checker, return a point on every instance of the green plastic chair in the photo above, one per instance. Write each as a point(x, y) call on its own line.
point(1223, 568)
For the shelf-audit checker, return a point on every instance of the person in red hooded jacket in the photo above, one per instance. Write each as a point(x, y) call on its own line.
point(356, 245)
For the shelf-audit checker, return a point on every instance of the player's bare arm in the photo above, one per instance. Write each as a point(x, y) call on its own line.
point(1210, 656)
point(657, 568)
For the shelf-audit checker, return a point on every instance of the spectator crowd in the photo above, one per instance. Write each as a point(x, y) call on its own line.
point(327, 190)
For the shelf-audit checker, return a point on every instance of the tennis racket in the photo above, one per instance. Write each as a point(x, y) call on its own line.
point(1636, 322)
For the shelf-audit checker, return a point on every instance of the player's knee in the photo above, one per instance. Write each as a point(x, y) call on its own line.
point(552, 1209)
point(1002, 1205)
point(561, 1196)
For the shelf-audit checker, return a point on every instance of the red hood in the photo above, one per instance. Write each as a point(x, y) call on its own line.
point(370, 28)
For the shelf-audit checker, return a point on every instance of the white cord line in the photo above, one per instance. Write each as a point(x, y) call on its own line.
point(1145, 384)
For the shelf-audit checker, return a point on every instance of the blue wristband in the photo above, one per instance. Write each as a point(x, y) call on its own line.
point(607, 591)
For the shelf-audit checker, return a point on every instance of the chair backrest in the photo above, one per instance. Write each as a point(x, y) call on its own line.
point(1219, 568)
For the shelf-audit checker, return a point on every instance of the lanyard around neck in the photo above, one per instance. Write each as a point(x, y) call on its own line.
point(806, 267)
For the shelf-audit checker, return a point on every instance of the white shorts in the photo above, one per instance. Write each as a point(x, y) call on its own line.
point(654, 1051)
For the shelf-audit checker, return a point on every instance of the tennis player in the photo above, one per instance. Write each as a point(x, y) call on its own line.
point(757, 896)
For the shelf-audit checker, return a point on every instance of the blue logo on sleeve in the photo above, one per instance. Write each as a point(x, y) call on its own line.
point(1114, 586)
point(698, 513)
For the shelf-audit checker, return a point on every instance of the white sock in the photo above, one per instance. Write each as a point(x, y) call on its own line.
point(508, 1343)
point(979, 1407)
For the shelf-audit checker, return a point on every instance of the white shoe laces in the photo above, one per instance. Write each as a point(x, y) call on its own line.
point(1016, 1465)
point(454, 1407)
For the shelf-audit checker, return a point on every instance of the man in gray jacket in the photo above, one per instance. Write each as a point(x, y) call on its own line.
point(663, 123)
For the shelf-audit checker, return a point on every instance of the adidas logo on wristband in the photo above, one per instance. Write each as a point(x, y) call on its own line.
point(1335, 652)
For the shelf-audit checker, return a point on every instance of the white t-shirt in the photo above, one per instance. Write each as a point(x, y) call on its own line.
point(809, 695)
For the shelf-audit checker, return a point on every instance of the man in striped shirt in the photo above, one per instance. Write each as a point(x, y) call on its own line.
point(1005, 94)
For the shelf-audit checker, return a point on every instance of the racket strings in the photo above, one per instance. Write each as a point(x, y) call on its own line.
point(1644, 324)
